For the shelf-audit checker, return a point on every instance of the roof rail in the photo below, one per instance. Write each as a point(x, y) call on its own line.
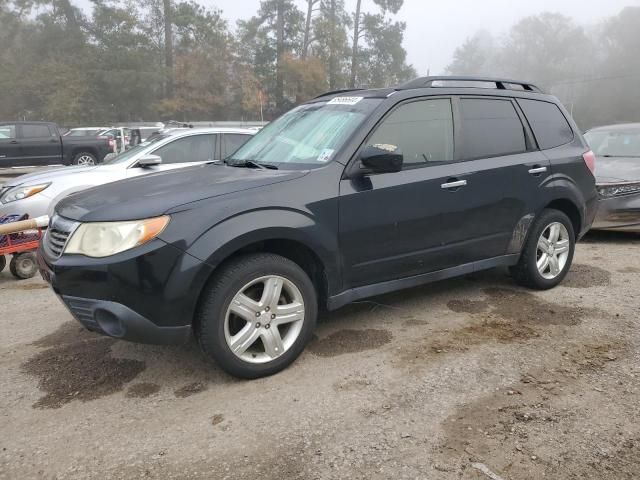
point(343, 90)
point(501, 83)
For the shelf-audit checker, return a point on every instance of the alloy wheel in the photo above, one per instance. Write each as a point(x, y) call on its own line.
point(86, 160)
point(264, 319)
point(553, 250)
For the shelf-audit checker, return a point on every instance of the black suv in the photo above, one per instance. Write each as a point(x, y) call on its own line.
point(353, 194)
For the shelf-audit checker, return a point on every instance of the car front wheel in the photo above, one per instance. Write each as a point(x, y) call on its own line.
point(85, 159)
point(548, 252)
point(257, 315)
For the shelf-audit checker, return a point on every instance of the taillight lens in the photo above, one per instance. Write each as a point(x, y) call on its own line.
point(590, 160)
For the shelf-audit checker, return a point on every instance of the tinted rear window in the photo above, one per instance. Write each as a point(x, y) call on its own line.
point(548, 123)
point(35, 131)
point(490, 128)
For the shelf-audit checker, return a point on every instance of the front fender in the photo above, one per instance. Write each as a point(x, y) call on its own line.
point(239, 231)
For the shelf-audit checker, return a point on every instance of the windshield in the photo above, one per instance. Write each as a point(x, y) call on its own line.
point(309, 134)
point(614, 143)
point(129, 154)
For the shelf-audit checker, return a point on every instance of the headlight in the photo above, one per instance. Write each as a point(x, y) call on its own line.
point(607, 191)
point(109, 238)
point(19, 193)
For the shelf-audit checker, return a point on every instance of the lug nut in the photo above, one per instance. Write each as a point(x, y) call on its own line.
point(258, 325)
point(273, 316)
point(267, 326)
point(257, 314)
point(266, 309)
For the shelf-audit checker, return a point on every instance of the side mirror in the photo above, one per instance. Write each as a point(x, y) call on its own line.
point(149, 161)
point(381, 158)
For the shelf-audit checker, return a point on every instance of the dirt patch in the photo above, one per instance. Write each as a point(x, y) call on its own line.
point(524, 307)
point(468, 306)
point(190, 389)
point(414, 322)
point(349, 341)
point(25, 286)
point(629, 270)
point(68, 332)
point(504, 428)
point(586, 276)
point(142, 390)
point(217, 419)
point(83, 370)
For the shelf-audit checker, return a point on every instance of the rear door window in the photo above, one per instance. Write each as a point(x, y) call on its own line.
point(549, 125)
point(490, 128)
point(194, 148)
point(35, 131)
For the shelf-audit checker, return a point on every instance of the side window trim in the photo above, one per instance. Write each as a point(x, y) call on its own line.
point(530, 138)
point(457, 111)
point(351, 165)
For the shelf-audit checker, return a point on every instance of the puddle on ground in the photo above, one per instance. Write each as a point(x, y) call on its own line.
point(190, 389)
point(586, 276)
point(79, 370)
point(142, 390)
point(68, 332)
point(468, 306)
point(349, 341)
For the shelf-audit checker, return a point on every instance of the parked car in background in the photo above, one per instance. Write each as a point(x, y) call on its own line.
point(85, 132)
point(347, 196)
point(617, 148)
point(25, 144)
point(37, 193)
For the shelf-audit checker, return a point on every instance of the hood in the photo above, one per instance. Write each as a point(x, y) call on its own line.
point(153, 195)
point(617, 169)
point(46, 176)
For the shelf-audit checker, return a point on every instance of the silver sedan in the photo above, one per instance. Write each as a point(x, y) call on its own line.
point(37, 193)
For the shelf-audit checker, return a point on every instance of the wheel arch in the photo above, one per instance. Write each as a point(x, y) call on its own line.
point(571, 210)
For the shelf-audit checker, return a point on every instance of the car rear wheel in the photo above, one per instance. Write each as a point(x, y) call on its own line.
point(84, 158)
point(23, 265)
point(548, 252)
point(257, 315)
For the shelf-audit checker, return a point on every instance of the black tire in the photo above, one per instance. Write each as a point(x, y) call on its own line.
point(85, 158)
point(23, 265)
point(526, 272)
point(210, 318)
point(3, 262)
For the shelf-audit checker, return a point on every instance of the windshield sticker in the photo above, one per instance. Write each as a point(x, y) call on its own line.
point(325, 155)
point(345, 100)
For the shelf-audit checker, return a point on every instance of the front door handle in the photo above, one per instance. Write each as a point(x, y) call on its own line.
point(537, 170)
point(456, 184)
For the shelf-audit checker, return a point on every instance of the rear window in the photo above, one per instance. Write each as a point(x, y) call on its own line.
point(490, 128)
point(547, 122)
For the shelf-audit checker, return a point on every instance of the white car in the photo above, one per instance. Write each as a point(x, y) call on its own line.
point(37, 193)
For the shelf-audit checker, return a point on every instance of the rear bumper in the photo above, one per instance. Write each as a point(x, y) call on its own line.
point(619, 213)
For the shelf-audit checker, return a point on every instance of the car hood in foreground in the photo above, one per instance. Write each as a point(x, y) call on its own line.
point(153, 195)
point(617, 169)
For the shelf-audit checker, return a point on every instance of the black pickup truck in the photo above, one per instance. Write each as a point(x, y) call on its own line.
point(40, 143)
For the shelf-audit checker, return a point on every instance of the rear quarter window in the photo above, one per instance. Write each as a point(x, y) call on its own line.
point(549, 125)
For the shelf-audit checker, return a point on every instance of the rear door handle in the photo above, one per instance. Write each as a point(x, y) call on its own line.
point(537, 170)
point(456, 184)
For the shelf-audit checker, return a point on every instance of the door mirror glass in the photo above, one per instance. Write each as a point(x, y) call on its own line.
point(381, 158)
point(149, 161)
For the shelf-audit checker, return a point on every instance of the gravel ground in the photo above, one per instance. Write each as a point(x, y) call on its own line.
point(472, 378)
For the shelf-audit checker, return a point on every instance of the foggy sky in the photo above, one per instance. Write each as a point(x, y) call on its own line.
point(436, 27)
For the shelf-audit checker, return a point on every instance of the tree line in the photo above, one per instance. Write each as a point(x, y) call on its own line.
point(127, 61)
point(594, 70)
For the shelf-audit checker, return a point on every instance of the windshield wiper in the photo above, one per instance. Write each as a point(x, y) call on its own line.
point(251, 164)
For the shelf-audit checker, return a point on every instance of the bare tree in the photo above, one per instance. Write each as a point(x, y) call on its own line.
point(168, 48)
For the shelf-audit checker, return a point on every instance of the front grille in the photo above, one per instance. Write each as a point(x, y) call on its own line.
point(60, 229)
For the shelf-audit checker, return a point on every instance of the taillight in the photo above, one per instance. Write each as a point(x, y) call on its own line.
point(590, 159)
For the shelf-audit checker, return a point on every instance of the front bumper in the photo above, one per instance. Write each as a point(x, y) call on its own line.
point(619, 214)
point(147, 295)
